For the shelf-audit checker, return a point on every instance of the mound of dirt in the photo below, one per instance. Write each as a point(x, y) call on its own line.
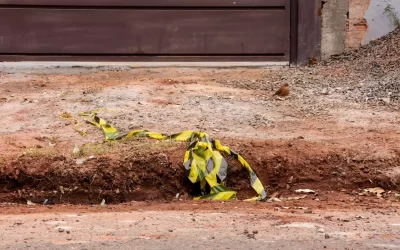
point(384, 52)
point(377, 68)
point(369, 75)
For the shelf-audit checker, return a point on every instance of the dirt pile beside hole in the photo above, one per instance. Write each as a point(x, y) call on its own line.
point(377, 65)
point(369, 76)
point(384, 52)
point(160, 175)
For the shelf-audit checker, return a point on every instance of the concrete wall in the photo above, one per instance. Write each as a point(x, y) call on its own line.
point(334, 17)
point(349, 24)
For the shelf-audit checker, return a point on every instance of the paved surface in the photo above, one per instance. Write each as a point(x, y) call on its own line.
point(260, 229)
point(71, 67)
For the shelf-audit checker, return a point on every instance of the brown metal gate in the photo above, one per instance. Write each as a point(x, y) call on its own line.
point(143, 30)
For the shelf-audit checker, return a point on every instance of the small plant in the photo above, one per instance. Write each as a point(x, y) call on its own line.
point(392, 14)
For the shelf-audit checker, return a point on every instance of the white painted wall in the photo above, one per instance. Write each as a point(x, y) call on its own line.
point(379, 23)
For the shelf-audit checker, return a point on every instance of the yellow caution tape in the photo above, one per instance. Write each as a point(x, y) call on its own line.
point(68, 117)
point(203, 161)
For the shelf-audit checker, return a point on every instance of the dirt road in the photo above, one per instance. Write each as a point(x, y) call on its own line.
point(232, 225)
point(325, 136)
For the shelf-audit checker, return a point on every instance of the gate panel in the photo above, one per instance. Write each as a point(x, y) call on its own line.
point(255, 28)
point(148, 3)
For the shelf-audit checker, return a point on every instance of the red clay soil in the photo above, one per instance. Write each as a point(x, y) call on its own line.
point(138, 175)
point(325, 140)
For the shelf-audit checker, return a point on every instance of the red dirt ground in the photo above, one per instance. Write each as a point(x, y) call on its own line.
point(309, 140)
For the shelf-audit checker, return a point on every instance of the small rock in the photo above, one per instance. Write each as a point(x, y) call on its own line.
point(302, 208)
point(377, 190)
point(60, 230)
point(255, 231)
point(103, 202)
point(307, 191)
point(325, 91)
point(76, 150)
point(297, 198)
point(30, 203)
point(327, 236)
point(80, 161)
point(386, 100)
point(274, 199)
point(321, 230)
point(170, 230)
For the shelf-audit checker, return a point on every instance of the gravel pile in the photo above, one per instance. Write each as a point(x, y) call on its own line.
point(376, 67)
point(369, 75)
point(382, 53)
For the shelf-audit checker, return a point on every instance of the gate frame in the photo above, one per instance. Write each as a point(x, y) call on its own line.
point(306, 19)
